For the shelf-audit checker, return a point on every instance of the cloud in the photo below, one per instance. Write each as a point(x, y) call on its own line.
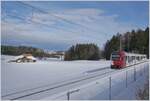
point(95, 19)
point(68, 27)
point(43, 18)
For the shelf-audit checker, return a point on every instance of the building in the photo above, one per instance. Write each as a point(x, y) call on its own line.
point(24, 58)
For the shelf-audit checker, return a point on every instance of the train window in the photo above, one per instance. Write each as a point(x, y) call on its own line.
point(132, 58)
point(126, 58)
point(129, 59)
point(137, 58)
point(115, 56)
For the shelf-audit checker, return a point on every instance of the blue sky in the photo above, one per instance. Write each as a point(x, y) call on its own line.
point(63, 24)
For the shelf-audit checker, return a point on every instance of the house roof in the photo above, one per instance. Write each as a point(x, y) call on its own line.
point(31, 57)
point(28, 56)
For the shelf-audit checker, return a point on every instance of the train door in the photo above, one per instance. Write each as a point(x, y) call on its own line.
point(126, 60)
point(123, 59)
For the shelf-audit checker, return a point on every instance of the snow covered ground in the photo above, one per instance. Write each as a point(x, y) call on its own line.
point(24, 79)
point(20, 77)
point(123, 87)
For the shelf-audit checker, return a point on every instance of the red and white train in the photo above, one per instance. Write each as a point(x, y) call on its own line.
point(123, 59)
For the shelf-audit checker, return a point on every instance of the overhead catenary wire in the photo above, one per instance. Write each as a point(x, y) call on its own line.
point(29, 21)
point(59, 17)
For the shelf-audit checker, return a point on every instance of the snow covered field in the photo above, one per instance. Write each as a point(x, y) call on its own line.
point(123, 86)
point(20, 77)
point(24, 79)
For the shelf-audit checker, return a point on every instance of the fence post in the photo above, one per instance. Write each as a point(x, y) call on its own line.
point(70, 92)
point(144, 68)
point(134, 73)
point(140, 71)
point(110, 88)
point(126, 79)
point(68, 95)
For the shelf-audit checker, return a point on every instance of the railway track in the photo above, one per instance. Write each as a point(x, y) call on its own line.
point(89, 75)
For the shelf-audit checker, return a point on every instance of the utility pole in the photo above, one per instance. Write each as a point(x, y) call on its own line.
point(128, 41)
point(120, 43)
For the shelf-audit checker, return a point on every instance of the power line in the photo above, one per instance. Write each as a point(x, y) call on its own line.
point(61, 18)
point(58, 17)
point(29, 21)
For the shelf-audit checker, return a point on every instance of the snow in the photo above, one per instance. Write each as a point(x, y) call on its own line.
point(99, 89)
point(130, 92)
point(31, 57)
point(52, 59)
point(6, 58)
point(21, 76)
point(18, 57)
point(17, 77)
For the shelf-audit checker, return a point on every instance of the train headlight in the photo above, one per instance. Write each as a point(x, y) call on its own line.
point(112, 63)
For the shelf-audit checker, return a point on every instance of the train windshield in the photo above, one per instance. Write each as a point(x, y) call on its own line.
point(115, 56)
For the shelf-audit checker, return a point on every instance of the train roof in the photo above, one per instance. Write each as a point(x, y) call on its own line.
point(134, 54)
point(129, 54)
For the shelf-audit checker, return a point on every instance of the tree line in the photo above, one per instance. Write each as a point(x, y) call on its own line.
point(133, 42)
point(18, 50)
point(83, 52)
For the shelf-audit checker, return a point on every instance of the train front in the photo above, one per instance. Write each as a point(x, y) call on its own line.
point(117, 59)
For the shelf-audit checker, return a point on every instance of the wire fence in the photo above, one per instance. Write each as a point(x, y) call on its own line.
point(108, 87)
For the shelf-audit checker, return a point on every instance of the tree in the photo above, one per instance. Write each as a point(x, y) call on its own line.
point(133, 42)
point(14, 50)
point(112, 45)
point(83, 52)
point(146, 50)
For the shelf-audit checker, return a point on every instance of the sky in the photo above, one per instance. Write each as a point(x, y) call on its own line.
point(57, 25)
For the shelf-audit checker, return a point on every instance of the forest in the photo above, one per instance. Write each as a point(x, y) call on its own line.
point(132, 42)
point(83, 52)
